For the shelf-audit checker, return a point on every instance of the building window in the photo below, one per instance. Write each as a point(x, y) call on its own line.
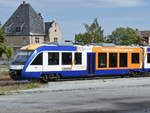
point(78, 58)
point(148, 57)
point(55, 39)
point(66, 58)
point(55, 30)
point(135, 58)
point(24, 41)
point(37, 40)
point(112, 59)
point(38, 60)
point(53, 58)
point(102, 60)
point(18, 29)
point(123, 60)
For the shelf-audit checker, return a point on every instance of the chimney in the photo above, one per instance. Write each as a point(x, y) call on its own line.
point(24, 2)
point(137, 29)
point(41, 17)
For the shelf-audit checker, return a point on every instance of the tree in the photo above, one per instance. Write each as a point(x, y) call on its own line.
point(3, 48)
point(9, 52)
point(93, 34)
point(124, 36)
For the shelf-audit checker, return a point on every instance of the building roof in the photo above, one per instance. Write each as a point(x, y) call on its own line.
point(145, 33)
point(47, 26)
point(24, 21)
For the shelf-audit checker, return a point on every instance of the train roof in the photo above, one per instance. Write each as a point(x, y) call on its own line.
point(35, 46)
point(31, 47)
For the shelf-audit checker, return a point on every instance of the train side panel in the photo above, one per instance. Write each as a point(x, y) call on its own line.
point(116, 56)
point(35, 71)
point(94, 61)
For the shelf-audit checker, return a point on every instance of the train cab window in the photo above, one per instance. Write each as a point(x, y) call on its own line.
point(148, 57)
point(112, 59)
point(38, 60)
point(135, 58)
point(123, 60)
point(102, 60)
point(78, 58)
point(66, 58)
point(53, 58)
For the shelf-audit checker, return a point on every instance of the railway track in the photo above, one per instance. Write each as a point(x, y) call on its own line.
point(97, 77)
point(12, 82)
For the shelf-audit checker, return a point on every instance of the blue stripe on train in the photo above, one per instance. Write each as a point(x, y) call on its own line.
point(146, 69)
point(29, 75)
point(148, 49)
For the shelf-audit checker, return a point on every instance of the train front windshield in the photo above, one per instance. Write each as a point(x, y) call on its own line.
point(21, 57)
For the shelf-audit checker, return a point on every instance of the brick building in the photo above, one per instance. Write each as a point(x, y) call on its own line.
point(145, 36)
point(25, 27)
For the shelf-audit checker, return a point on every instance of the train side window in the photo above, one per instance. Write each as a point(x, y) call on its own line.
point(112, 59)
point(53, 58)
point(78, 58)
point(148, 57)
point(123, 60)
point(102, 60)
point(66, 58)
point(135, 58)
point(38, 60)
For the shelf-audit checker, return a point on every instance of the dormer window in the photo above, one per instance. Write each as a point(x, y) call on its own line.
point(55, 39)
point(37, 40)
point(18, 29)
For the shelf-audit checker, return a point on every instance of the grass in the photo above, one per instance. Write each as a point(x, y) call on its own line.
point(16, 87)
point(9, 88)
point(4, 66)
point(4, 75)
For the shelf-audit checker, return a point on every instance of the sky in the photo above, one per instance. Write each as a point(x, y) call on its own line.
point(73, 14)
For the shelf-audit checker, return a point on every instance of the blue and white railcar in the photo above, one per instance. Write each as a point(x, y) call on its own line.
point(49, 62)
point(52, 61)
point(146, 59)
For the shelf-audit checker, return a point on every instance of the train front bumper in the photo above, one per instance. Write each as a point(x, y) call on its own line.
point(15, 72)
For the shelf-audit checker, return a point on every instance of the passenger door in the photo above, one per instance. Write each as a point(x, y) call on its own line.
point(91, 63)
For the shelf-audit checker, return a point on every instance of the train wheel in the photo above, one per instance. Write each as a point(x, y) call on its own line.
point(44, 78)
point(59, 76)
point(132, 74)
point(14, 75)
point(53, 77)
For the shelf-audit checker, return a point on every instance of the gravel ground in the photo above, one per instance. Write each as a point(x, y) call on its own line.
point(123, 95)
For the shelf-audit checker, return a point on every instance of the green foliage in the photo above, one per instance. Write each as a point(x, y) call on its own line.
point(93, 34)
point(2, 36)
point(124, 36)
point(9, 52)
point(3, 48)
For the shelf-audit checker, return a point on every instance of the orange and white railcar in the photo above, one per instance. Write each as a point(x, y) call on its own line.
point(45, 61)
